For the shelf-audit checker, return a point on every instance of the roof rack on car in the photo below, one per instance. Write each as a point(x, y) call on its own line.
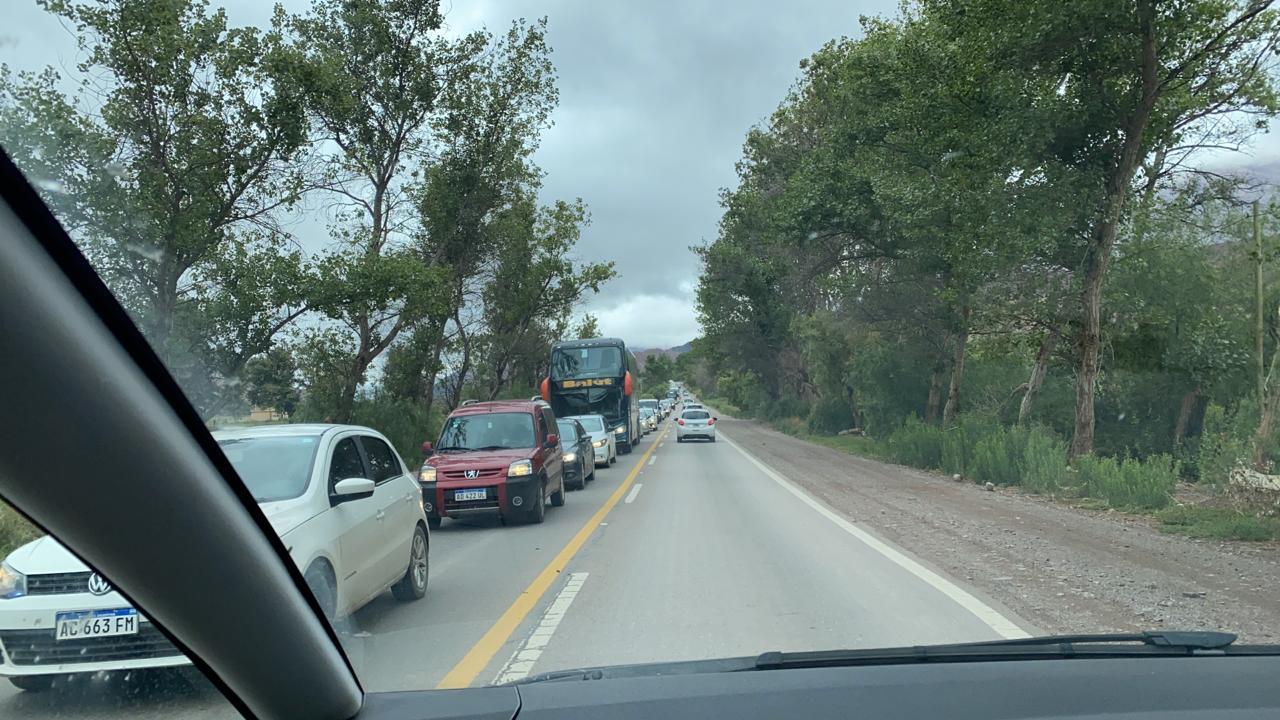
point(468, 402)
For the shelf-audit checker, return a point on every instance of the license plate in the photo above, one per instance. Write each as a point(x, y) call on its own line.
point(80, 624)
point(470, 495)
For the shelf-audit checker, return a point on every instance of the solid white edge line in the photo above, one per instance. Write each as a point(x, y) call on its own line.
point(527, 653)
point(635, 490)
point(988, 615)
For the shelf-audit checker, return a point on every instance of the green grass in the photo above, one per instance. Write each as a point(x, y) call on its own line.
point(852, 444)
point(1217, 522)
point(14, 530)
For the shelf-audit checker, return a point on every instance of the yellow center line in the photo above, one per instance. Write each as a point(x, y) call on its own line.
point(480, 654)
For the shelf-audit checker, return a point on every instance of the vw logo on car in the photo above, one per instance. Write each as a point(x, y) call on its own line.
point(98, 585)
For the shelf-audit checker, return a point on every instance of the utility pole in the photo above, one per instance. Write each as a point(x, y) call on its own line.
point(1259, 327)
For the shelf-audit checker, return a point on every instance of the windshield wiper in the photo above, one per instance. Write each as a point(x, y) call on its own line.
point(492, 447)
point(1052, 647)
point(454, 448)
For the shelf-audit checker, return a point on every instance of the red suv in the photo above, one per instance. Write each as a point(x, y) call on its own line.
point(502, 457)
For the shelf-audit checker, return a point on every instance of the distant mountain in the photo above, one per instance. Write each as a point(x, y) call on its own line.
point(671, 352)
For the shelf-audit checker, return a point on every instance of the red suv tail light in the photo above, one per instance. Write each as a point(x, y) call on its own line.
point(712, 421)
point(681, 421)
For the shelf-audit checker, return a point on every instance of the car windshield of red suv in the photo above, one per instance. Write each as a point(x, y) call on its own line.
point(491, 431)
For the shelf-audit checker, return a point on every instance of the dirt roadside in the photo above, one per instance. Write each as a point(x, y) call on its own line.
point(1061, 568)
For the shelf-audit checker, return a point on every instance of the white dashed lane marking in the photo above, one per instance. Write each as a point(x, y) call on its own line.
point(635, 490)
point(521, 662)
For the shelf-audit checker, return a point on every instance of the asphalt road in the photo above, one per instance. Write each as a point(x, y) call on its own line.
point(678, 552)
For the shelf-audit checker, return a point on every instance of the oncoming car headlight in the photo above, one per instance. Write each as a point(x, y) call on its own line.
point(520, 468)
point(600, 443)
point(427, 474)
point(620, 430)
point(570, 457)
point(12, 583)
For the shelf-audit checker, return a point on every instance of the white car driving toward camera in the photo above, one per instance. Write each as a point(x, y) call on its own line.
point(339, 497)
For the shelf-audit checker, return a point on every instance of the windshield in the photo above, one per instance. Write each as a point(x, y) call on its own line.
point(587, 362)
point(488, 431)
point(273, 468)
point(973, 307)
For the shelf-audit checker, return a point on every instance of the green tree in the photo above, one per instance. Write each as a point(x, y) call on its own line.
point(1113, 87)
point(534, 288)
point(587, 327)
point(175, 177)
point(271, 380)
point(371, 73)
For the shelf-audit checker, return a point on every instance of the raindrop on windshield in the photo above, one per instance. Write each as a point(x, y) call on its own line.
point(52, 185)
point(149, 252)
point(115, 169)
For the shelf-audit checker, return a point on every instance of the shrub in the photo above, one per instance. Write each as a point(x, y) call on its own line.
point(916, 443)
point(1000, 457)
point(792, 426)
point(829, 416)
point(1207, 522)
point(1044, 462)
point(1129, 483)
point(1225, 443)
point(961, 440)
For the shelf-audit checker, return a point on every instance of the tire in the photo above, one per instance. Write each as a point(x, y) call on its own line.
point(557, 497)
point(713, 438)
point(414, 583)
point(32, 683)
point(592, 476)
point(581, 482)
point(538, 512)
point(323, 586)
point(434, 521)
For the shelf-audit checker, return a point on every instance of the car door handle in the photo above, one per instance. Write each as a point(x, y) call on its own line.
point(381, 514)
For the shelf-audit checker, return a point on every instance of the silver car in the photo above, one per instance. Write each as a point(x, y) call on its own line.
point(649, 419)
point(695, 424)
point(603, 442)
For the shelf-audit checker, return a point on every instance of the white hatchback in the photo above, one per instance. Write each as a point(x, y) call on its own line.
point(337, 495)
point(696, 423)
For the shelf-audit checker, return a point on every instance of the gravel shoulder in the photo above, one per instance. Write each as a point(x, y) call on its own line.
point(1061, 568)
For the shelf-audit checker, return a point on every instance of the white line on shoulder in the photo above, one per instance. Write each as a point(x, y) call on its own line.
point(997, 622)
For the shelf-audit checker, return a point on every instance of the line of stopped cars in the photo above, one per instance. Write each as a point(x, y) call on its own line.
point(355, 518)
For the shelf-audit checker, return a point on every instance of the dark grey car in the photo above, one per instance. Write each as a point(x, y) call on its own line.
point(579, 456)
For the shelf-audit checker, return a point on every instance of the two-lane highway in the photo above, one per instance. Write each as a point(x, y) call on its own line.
point(679, 551)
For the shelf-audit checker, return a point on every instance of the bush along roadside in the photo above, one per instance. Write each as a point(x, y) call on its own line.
point(982, 450)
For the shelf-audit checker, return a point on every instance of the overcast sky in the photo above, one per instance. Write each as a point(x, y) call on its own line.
point(655, 100)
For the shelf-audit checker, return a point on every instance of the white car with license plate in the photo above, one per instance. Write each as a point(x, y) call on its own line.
point(603, 442)
point(338, 495)
point(695, 424)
